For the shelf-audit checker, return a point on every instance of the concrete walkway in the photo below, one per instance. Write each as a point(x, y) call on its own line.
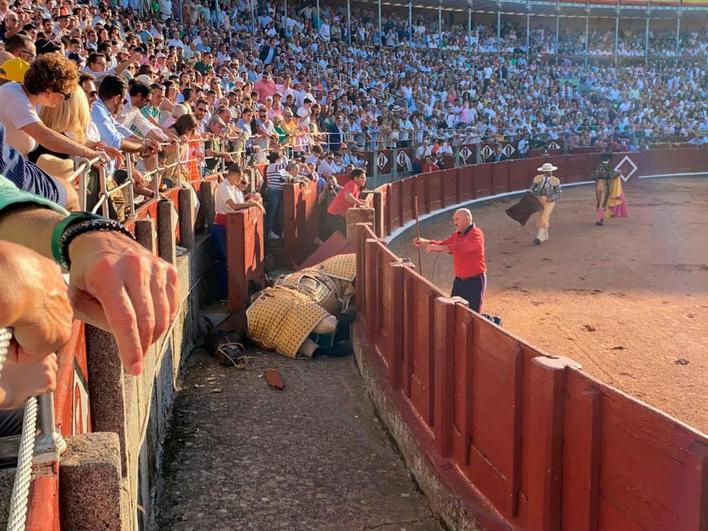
point(241, 455)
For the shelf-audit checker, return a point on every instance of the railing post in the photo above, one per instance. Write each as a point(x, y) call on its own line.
point(131, 193)
point(166, 223)
point(50, 444)
point(206, 193)
point(444, 373)
point(186, 218)
point(145, 233)
point(103, 196)
point(83, 185)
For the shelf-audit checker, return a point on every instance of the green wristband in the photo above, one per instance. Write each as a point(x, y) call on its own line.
point(60, 228)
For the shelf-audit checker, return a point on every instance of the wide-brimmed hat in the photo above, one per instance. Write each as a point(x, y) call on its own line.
point(547, 167)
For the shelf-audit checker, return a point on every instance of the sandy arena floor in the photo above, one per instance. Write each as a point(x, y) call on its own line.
point(629, 300)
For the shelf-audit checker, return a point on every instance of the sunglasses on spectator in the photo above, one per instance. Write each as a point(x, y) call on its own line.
point(65, 94)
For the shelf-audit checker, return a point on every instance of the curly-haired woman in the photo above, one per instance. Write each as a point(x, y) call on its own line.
point(50, 80)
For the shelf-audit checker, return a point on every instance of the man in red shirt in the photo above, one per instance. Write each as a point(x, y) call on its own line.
point(429, 165)
point(346, 198)
point(466, 245)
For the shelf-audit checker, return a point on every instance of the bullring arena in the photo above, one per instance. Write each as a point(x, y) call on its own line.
point(628, 301)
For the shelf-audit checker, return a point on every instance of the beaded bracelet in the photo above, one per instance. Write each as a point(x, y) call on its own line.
point(83, 227)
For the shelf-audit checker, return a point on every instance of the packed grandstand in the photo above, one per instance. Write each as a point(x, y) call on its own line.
point(410, 77)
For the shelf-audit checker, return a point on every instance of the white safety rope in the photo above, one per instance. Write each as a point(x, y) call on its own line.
point(23, 474)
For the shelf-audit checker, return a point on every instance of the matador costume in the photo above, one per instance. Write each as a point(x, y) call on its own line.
point(301, 309)
point(547, 189)
point(609, 195)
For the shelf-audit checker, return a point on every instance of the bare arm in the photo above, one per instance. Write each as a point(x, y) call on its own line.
point(57, 142)
point(349, 198)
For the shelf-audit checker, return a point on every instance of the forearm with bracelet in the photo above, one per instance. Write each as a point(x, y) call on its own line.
point(75, 225)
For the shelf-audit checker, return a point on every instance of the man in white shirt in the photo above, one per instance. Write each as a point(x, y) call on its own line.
point(133, 119)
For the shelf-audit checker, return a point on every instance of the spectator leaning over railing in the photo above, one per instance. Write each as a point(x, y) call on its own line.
point(112, 96)
point(132, 117)
point(347, 197)
point(50, 79)
point(26, 176)
point(230, 196)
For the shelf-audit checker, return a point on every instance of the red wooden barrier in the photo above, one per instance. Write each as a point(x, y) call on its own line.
point(418, 343)
point(482, 180)
point(465, 183)
point(576, 169)
point(406, 198)
point(500, 177)
point(450, 187)
point(392, 206)
point(434, 189)
point(519, 172)
point(420, 190)
point(245, 252)
point(300, 220)
point(547, 445)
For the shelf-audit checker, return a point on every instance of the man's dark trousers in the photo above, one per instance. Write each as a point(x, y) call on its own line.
point(471, 289)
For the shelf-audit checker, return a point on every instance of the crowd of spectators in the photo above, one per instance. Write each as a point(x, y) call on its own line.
point(243, 83)
point(159, 97)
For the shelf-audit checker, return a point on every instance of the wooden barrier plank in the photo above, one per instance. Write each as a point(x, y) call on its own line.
point(393, 323)
point(444, 321)
point(581, 455)
point(300, 220)
point(393, 205)
point(482, 180)
point(406, 200)
point(245, 254)
point(418, 343)
point(562, 162)
point(575, 169)
point(420, 190)
point(462, 422)
point(466, 190)
point(500, 177)
point(434, 189)
point(373, 288)
point(545, 469)
point(421, 350)
point(449, 187)
point(495, 423)
point(519, 175)
point(388, 294)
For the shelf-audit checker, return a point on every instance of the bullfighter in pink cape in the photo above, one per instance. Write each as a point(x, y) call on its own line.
point(609, 195)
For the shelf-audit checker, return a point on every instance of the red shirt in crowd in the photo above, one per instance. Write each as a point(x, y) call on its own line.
point(339, 205)
point(467, 249)
point(430, 166)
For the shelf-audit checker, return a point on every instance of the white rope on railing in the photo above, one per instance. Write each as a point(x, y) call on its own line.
point(23, 475)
